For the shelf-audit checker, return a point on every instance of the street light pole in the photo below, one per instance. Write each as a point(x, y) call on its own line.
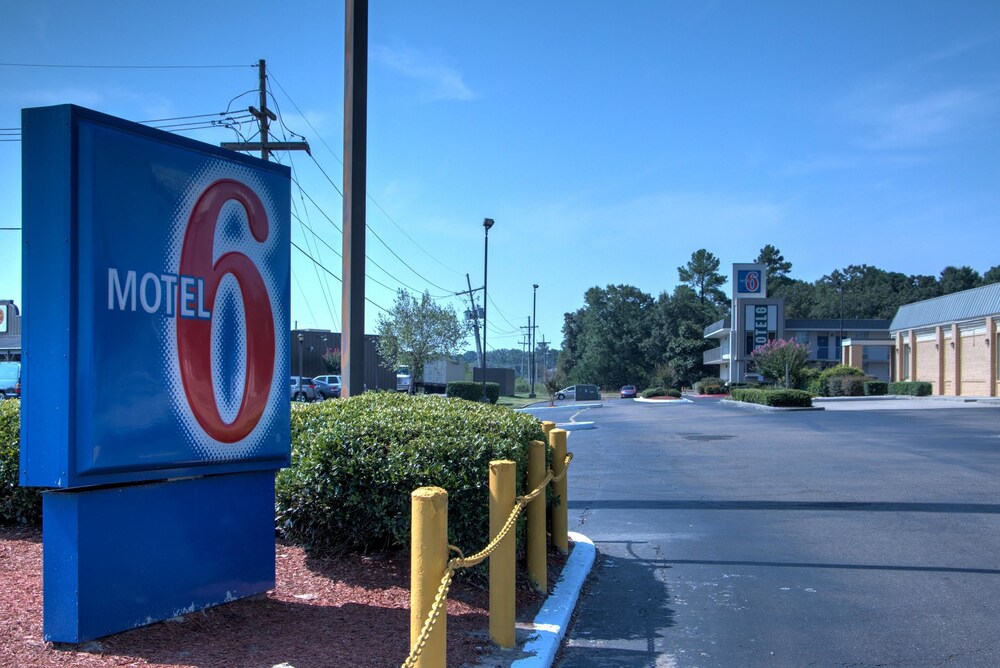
point(840, 286)
point(487, 224)
point(534, 326)
point(301, 339)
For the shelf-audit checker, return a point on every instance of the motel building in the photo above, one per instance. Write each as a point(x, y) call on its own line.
point(950, 342)
point(756, 319)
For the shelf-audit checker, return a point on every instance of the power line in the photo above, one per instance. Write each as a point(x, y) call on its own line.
point(368, 195)
point(125, 67)
point(323, 284)
point(320, 265)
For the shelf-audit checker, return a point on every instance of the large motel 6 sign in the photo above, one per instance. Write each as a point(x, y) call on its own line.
point(155, 402)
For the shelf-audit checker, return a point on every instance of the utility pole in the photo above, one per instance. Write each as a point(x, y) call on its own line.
point(527, 346)
point(264, 116)
point(352, 348)
point(534, 339)
point(475, 317)
point(545, 368)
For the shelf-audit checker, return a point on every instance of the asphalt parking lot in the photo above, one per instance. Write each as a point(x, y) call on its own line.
point(867, 533)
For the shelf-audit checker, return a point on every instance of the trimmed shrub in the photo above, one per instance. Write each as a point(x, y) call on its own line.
point(775, 398)
point(355, 463)
point(18, 505)
point(832, 385)
point(710, 385)
point(851, 386)
point(876, 388)
point(470, 391)
point(912, 388)
point(660, 392)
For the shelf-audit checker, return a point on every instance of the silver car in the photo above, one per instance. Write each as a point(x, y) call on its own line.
point(303, 389)
point(567, 393)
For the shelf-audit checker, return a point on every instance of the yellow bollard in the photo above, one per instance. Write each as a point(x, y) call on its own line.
point(502, 603)
point(547, 426)
point(428, 563)
point(560, 513)
point(536, 539)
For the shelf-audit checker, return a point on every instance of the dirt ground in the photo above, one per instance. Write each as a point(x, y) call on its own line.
point(345, 611)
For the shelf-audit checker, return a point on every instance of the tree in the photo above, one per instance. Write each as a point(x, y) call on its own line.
point(800, 297)
point(702, 274)
point(781, 359)
point(603, 341)
point(777, 266)
point(992, 275)
point(415, 332)
point(331, 359)
point(956, 279)
point(677, 345)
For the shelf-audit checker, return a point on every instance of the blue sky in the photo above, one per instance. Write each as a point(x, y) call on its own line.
point(608, 142)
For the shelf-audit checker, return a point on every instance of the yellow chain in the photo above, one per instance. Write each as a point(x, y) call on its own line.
point(441, 598)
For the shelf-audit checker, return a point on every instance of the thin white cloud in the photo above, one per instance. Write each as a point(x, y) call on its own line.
point(930, 100)
point(89, 98)
point(929, 119)
point(438, 82)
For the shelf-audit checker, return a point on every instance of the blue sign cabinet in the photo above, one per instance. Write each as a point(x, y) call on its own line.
point(155, 405)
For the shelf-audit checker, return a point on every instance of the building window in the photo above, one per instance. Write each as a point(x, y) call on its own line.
point(906, 362)
point(802, 338)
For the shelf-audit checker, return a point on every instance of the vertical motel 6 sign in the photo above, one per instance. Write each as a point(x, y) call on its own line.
point(155, 405)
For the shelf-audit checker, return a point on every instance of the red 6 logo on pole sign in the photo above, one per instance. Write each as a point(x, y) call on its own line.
point(197, 300)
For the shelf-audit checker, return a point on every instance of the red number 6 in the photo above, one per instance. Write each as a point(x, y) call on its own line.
point(194, 336)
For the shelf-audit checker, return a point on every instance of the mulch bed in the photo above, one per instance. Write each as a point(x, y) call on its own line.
point(343, 611)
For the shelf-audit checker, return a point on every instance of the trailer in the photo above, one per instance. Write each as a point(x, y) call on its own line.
point(439, 373)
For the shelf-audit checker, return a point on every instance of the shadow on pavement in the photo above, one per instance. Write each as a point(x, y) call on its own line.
point(617, 633)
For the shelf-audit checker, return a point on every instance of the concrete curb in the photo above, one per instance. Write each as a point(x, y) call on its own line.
point(766, 409)
point(668, 402)
point(575, 426)
point(552, 620)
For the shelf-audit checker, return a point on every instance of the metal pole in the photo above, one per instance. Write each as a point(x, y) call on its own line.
point(487, 224)
point(840, 343)
point(301, 339)
point(534, 323)
point(352, 342)
point(264, 125)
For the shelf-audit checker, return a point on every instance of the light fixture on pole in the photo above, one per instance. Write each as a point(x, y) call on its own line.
point(301, 339)
point(534, 328)
point(487, 224)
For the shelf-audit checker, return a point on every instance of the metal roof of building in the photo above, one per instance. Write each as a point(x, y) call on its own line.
point(956, 307)
point(833, 324)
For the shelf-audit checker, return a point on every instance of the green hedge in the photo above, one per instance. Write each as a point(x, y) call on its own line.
point(355, 463)
point(913, 388)
point(839, 381)
point(775, 398)
point(660, 392)
point(876, 388)
point(470, 391)
point(18, 505)
point(710, 385)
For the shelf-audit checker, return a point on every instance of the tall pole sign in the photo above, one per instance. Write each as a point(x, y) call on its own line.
point(156, 280)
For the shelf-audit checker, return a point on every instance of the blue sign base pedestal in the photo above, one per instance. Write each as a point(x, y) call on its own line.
point(121, 557)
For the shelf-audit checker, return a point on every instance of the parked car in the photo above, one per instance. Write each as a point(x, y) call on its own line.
point(303, 389)
point(326, 390)
point(567, 393)
point(10, 380)
point(329, 379)
point(628, 392)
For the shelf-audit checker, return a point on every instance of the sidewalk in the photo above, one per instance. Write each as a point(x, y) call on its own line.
point(538, 640)
point(897, 402)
